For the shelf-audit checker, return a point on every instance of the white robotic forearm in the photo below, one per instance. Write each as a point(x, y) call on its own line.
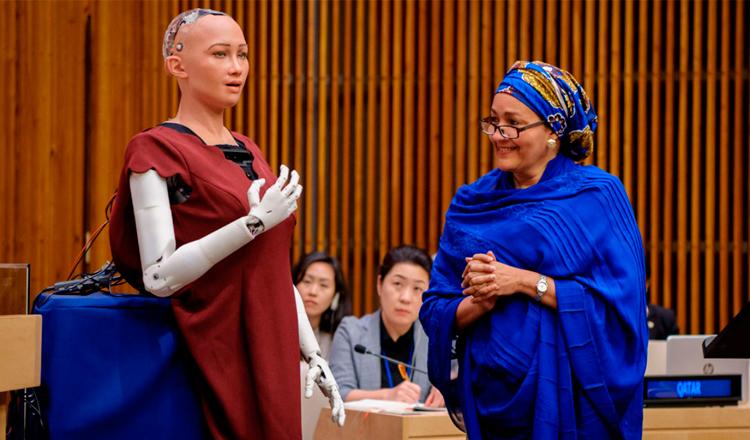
point(166, 270)
point(308, 343)
point(192, 260)
point(318, 371)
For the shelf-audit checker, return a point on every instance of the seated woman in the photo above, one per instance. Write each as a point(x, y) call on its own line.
point(321, 284)
point(392, 331)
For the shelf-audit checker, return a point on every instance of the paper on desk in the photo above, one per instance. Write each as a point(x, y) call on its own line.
point(421, 407)
point(374, 405)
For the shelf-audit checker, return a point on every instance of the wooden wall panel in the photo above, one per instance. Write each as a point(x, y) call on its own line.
point(8, 100)
point(739, 139)
point(724, 173)
point(668, 144)
point(651, 220)
point(43, 125)
point(376, 104)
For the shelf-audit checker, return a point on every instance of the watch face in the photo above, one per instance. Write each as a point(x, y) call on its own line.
point(541, 286)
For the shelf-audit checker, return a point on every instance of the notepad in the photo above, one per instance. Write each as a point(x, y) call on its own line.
point(423, 408)
point(389, 406)
point(380, 406)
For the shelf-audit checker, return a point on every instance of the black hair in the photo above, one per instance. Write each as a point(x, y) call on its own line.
point(405, 253)
point(330, 319)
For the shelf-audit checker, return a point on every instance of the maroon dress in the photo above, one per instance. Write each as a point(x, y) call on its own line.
point(239, 319)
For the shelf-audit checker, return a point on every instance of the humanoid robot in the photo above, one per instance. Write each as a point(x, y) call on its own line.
point(168, 269)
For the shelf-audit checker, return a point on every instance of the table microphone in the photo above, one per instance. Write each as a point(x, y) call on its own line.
point(361, 349)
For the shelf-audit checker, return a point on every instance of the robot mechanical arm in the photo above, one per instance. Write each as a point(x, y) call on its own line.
point(166, 270)
point(318, 370)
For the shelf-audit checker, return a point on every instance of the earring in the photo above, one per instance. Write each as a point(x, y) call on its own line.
point(178, 47)
point(335, 302)
point(551, 143)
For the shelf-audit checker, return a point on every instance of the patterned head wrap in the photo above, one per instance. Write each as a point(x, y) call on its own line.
point(185, 17)
point(554, 95)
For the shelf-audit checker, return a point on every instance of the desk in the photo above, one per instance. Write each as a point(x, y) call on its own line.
point(20, 358)
point(380, 426)
point(708, 423)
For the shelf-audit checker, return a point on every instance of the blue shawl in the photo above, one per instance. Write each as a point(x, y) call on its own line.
point(524, 369)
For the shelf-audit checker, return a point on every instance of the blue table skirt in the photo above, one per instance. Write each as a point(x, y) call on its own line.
point(114, 367)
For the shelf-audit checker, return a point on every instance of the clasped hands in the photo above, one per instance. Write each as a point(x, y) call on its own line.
point(485, 279)
point(320, 373)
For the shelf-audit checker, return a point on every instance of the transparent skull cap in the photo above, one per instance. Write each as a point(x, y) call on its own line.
point(186, 17)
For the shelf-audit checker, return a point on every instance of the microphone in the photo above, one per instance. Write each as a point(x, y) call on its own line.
point(361, 349)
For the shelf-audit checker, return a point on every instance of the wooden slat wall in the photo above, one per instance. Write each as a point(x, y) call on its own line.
point(42, 126)
point(376, 104)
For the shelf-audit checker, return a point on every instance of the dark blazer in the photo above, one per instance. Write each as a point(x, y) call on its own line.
point(661, 322)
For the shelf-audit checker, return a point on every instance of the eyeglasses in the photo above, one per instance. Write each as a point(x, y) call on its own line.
point(489, 127)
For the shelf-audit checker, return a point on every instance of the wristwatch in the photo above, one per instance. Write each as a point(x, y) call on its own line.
point(541, 287)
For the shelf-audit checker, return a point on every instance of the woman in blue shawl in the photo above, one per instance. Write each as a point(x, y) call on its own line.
point(536, 311)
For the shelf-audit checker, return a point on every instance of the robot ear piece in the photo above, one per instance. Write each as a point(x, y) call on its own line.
point(335, 302)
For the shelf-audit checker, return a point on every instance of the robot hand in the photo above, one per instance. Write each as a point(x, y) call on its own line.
point(320, 373)
point(279, 201)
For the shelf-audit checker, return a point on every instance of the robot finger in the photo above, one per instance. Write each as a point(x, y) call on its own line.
point(283, 175)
